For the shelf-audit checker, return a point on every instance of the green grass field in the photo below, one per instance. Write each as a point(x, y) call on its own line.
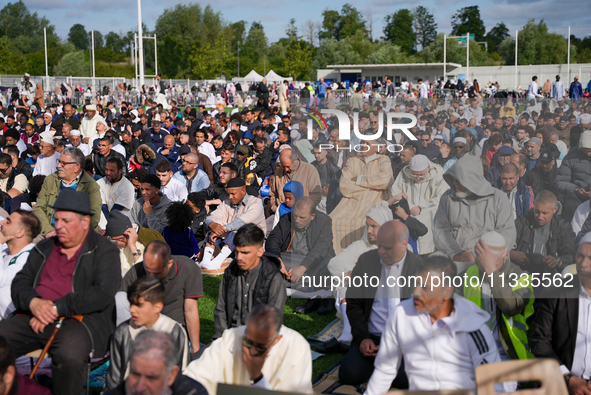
point(305, 324)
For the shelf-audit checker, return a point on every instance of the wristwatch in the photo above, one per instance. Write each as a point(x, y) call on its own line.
point(254, 381)
point(567, 378)
point(137, 252)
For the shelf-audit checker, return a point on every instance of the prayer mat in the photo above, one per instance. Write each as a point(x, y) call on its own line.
point(328, 383)
point(219, 271)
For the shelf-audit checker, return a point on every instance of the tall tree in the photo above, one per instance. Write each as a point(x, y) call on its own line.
point(330, 25)
point(467, 20)
point(78, 36)
point(425, 26)
point(350, 21)
point(496, 36)
point(298, 58)
point(115, 42)
point(399, 31)
point(74, 63)
point(291, 30)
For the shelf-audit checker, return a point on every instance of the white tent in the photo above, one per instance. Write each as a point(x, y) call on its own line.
point(253, 76)
point(274, 77)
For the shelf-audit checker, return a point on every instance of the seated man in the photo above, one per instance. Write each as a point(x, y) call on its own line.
point(511, 307)
point(21, 165)
point(574, 176)
point(76, 140)
point(170, 150)
point(303, 242)
point(368, 308)
point(343, 263)
point(105, 152)
point(520, 195)
point(239, 209)
point(421, 184)
point(46, 162)
point(364, 183)
point(153, 368)
point(227, 156)
point(11, 181)
point(434, 319)
point(123, 234)
point(529, 177)
point(216, 193)
point(173, 189)
point(193, 178)
point(182, 281)
point(16, 236)
point(494, 172)
point(263, 354)
point(117, 192)
point(469, 209)
point(149, 210)
point(560, 326)
point(545, 241)
point(75, 273)
point(14, 383)
point(146, 297)
point(296, 171)
point(252, 278)
point(70, 174)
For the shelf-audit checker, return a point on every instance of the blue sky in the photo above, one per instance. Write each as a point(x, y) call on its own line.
point(117, 15)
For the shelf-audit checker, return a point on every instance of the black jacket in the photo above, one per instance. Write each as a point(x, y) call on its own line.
point(318, 239)
point(97, 278)
point(532, 179)
point(25, 168)
point(360, 299)
point(547, 180)
point(561, 242)
point(261, 163)
point(217, 166)
point(554, 329)
point(131, 147)
point(182, 385)
point(100, 162)
point(327, 171)
point(59, 123)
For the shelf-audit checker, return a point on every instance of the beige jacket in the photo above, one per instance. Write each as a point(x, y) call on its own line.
point(250, 211)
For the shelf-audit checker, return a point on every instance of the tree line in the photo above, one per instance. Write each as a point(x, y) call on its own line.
point(197, 42)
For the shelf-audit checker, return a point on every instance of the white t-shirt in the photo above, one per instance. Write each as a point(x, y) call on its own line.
point(11, 265)
point(175, 190)
point(46, 165)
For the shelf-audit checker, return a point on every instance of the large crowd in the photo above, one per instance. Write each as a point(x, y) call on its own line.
point(112, 212)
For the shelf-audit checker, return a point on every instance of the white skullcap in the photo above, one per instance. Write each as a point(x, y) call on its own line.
point(438, 137)
point(27, 75)
point(460, 140)
point(585, 140)
point(103, 122)
point(75, 133)
point(455, 114)
point(234, 111)
point(419, 163)
point(381, 214)
point(494, 240)
point(295, 135)
point(585, 119)
point(585, 239)
point(284, 113)
point(46, 138)
point(48, 113)
point(91, 107)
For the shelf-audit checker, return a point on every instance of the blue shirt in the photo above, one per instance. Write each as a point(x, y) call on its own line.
point(199, 182)
point(322, 89)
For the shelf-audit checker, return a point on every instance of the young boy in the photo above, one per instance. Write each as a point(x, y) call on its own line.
point(146, 296)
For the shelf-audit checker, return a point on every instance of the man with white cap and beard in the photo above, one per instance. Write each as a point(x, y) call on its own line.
point(460, 147)
point(344, 262)
point(76, 140)
point(47, 161)
point(421, 184)
point(509, 307)
point(88, 124)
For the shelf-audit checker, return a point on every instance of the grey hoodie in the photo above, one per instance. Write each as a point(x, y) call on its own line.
point(156, 220)
point(459, 222)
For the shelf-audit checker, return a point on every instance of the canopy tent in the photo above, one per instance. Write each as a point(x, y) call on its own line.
point(253, 76)
point(274, 77)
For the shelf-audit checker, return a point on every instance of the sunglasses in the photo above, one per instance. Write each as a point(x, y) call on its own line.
point(459, 146)
point(425, 139)
point(3, 171)
point(373, 122)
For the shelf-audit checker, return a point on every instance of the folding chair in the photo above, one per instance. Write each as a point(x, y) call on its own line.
point(547, 371)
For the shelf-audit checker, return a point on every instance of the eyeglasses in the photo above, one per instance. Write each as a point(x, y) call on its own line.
point(426, 140)
point(61, 162)
point(374, 122)
point(459, 147)
point(3, 171)
point(249, 344)
point(187, 162)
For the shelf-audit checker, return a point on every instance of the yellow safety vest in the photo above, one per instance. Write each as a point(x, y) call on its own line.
point(517, 325)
